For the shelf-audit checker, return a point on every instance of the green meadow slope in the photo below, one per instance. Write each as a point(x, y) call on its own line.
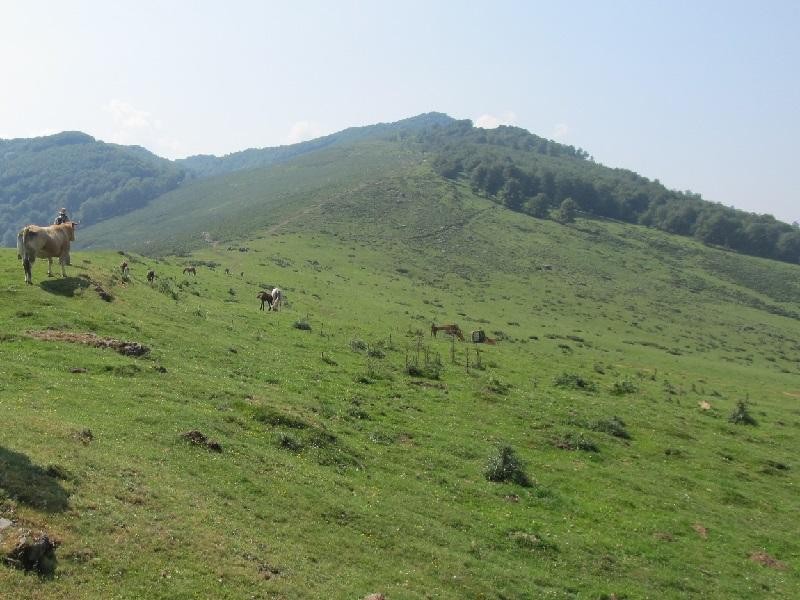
point(355, 446)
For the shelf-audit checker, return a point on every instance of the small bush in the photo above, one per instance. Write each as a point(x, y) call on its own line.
point(741, 416)
point(505, 466)
point(530, 541)
point(613, 426)
point(497, 385)
point(165, 286)
point(358, 345)
point(623, 387)
point(576, 441)
point(430, 371)
point(574, 381)
point(271, 416)
point(302, 325)
point(376, 353)
point(289, 442)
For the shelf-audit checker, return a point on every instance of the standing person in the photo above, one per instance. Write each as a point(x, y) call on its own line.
point(61, 217)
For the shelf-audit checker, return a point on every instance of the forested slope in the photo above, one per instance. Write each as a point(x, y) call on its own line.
point(92, 179)
point(545, 179)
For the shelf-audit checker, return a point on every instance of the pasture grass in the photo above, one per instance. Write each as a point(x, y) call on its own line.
point(343, 473)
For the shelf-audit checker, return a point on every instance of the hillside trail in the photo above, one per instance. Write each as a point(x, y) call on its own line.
point(272, 229)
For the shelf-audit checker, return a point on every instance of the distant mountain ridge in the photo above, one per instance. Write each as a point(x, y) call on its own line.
point(206, 165)
point(96, 180)
point(227, 196)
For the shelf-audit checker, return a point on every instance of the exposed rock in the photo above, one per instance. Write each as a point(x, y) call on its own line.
point(199, 439)
point(26, 549)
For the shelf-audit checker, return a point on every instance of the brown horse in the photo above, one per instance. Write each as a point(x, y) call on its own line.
point(266, 298)
point(452, 329)
point(191, 270)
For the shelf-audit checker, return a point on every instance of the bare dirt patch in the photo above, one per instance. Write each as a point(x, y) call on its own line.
point(701, 531)
point(792, 394)
point(90, 339)
point(199, 439)
point(765, 559)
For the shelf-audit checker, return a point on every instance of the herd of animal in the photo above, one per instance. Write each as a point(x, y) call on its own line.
point(53, 242)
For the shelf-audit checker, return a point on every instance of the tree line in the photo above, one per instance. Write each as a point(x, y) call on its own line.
point(545, 179)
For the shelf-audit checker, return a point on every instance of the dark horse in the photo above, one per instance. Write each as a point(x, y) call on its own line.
point(266, 298)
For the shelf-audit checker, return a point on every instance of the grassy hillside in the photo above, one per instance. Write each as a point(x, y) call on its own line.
point(355, 446)
point(230, 206)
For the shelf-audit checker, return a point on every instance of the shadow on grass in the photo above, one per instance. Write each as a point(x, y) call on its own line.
point(64, 286)
point(30, 484)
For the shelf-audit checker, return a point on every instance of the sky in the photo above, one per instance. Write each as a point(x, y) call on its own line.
point(701, 95)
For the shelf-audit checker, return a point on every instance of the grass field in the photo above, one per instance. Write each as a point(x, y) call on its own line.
point(355, 445)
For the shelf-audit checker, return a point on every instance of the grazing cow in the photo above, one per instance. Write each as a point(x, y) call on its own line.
point(191, 270)
point(45, 242)
point(265, 297)
point(277, 298)
point(452, 329)
point(151, 275)
point(227, 271)
point(125, 270)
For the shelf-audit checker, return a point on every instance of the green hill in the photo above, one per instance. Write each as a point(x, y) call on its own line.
point(241, 193)
point(526, 173)
point(647, 384)
point(204, 165)
point(92, 179)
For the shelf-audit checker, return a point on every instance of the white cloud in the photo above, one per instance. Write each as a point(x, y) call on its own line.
point(127, 116)
point(491, 121)
point(45, 132)
point(302, 131)
point(560, 131)
point(134, 126)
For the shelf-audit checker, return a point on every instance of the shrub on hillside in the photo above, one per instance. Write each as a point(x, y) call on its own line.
point(741, 416)
point(289, 442)
point(165, 286)
point(505, 466)
point(576, 441)
point(272, 416)
point(574, 381)
point(302, 325)
point(623, 387)
point(429, 371)
point(497, 385)
point(613, 426)
point(358, 345)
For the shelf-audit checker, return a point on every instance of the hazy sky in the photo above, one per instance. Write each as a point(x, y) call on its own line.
point(701, 95)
